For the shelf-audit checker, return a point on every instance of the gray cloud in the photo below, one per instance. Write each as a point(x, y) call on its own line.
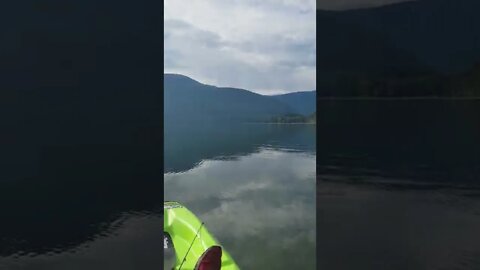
point(266, 46)
point(353, 4)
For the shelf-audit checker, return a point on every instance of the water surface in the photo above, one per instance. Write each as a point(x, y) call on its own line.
point(398, 184)
point(87, 206)
point(254, 187)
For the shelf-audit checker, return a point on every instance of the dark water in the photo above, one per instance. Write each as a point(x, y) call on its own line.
point(398, 184)
point(84, 207)
point(253, 185)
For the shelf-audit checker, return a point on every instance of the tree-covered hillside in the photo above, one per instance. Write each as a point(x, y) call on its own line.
point(187, 100)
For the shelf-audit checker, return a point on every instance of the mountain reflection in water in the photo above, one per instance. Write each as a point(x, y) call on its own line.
point(398, 184)
point(254, 187)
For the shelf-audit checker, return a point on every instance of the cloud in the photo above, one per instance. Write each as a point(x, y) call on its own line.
point(265, 46)
point(353, 4)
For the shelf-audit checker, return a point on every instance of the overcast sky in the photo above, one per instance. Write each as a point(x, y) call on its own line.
point(266, 46)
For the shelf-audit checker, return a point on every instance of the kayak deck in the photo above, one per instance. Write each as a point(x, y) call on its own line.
point(190, 238)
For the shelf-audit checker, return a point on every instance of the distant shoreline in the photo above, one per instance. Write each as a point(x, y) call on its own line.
point(276, 123)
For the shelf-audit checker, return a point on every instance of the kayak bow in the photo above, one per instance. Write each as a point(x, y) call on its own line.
point(193, 246)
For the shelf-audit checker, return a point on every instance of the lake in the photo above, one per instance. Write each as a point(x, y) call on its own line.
point(397, 187)
point(92, 199)
point(252, 184)
point(398, 184)
point(81, 202)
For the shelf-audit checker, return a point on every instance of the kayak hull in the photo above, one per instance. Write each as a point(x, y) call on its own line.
point(190, 238)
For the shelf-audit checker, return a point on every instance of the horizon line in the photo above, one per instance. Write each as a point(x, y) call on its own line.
point(279, 92)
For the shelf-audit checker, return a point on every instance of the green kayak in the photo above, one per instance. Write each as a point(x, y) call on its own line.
point(187, 243)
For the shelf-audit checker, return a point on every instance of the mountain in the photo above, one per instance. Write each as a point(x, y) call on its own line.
point(228, 140)
point(347, 48)
point(410, 45)
point(463, 84)
point(312, 118)
point(187, 100)
point(303, 103)
point(69, 76)
point(441, 34)
point(80, 109)
point(466, 84)
point(295, 119)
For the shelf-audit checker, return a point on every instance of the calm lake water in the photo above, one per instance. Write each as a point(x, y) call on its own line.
point(397, 187)
point(398, 184)
point(254, 187)
point(81, 206)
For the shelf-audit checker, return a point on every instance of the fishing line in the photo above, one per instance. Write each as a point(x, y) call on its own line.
point(185, 258)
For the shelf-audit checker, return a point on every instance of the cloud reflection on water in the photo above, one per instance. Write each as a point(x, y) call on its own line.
point(262, 202)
